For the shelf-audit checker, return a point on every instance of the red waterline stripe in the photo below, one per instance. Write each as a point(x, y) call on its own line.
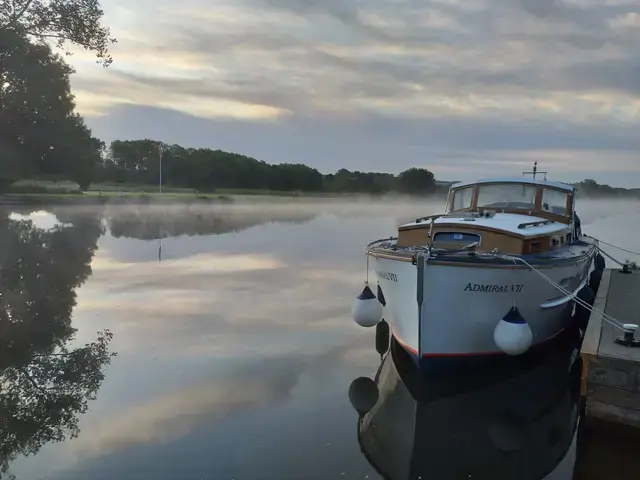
point(473, 354)
point(403, 343)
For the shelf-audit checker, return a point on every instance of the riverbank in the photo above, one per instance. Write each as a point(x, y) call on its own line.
point(125, 198)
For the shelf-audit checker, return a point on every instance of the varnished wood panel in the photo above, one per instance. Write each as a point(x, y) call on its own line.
point(413, 236)
point(490, 240)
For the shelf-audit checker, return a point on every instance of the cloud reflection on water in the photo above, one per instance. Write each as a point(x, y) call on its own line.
point(245, 387)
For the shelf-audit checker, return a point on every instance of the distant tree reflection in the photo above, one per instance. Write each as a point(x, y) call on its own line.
point(152, 223)
point(45, 383)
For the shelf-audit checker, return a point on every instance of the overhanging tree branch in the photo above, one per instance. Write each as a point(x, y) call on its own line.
point(75, 21)
point(17, 16)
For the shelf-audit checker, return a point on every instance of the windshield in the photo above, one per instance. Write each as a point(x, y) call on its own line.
point(554, 201)
point(507, 195)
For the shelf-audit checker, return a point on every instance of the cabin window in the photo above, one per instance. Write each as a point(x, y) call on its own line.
point(456, 237)
point(507, 195)
point(462, 198)
point(554, 201)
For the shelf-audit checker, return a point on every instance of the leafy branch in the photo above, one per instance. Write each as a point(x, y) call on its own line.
point(68, 21)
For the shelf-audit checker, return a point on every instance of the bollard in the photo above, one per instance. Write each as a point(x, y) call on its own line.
point(628, 339)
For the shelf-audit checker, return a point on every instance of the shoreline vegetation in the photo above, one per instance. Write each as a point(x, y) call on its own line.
point(128, 172)
point(343, 185)
point(145, 168)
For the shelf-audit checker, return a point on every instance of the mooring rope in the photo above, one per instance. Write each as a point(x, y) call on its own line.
point(607, 318)
point(610, 257)
point(613, 246)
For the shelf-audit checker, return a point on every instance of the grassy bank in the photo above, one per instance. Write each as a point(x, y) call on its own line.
point(43, 186)
point(69, 190)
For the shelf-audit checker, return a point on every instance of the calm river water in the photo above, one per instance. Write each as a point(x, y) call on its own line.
point(236, 354)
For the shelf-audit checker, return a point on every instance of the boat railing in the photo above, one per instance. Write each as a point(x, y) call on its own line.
point(379, 242)
point(386, 244)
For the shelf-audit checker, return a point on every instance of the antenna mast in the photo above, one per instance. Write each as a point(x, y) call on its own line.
point(534, 172)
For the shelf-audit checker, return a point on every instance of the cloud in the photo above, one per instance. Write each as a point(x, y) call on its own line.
point(294, 74)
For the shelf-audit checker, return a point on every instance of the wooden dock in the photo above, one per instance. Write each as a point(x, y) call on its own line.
point(611, 372)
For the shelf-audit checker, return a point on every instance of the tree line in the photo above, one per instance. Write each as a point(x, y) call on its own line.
point(203, 169)
point(591, 188)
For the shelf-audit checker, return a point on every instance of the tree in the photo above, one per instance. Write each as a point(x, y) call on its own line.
point(64, 21)
point(40, 132)
point(417, 181)
point(44, 384)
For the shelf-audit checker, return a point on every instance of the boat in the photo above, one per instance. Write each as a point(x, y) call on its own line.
point(495, 276)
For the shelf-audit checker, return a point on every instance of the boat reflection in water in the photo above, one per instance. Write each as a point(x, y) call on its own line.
point(522, 426)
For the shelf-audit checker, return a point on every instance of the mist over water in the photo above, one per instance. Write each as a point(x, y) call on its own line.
point(231, 323)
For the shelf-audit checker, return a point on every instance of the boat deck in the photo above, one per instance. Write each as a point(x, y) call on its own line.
point(569, 253)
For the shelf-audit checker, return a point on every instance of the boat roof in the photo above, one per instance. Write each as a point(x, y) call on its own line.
point(508, 222)
point(533, 181)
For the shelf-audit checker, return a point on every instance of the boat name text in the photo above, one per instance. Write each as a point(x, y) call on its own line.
point(387, 276)
point(474, 287)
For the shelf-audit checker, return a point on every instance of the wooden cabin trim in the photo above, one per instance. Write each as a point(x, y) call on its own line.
point(498, 182)
point(570, 205)
point(537, 203)
point(490, 238)
point(450, 196)
point(474, 197)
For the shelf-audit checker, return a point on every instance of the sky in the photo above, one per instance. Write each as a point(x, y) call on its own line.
point(465, 88)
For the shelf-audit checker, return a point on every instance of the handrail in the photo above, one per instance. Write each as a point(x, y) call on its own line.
point(535, 224)
point(429, 217)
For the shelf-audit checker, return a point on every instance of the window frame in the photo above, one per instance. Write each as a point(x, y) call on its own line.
point(537, 209)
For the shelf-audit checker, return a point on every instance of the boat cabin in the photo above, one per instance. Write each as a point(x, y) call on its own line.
point(514, 215)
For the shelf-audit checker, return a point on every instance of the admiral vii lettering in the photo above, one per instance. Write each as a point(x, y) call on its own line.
point(474, 287)
point(387, 276)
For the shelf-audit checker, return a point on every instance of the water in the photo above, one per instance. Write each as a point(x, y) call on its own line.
point(236, 353)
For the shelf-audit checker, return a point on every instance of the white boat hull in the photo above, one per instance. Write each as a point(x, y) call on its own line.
point(463, 303)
